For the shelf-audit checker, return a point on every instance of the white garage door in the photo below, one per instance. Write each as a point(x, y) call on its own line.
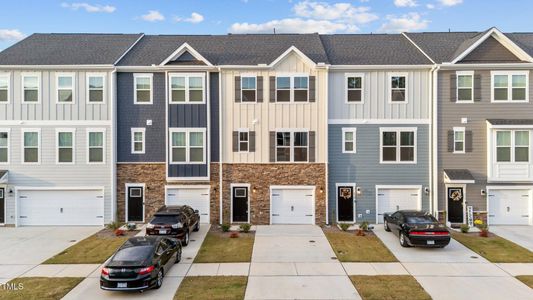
point(197, 198)
point(293, 206)
point(391, 200)
point(60, 207)
point(509, 207)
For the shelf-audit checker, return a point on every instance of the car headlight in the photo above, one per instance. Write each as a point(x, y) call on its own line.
point(177, 225)
point(150, 226)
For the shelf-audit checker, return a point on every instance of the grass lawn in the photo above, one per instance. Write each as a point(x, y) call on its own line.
point(494, 248)
point(42, 288)
point(389, 287)
point(212, 287)
point(527, 279)
point(218, 247)
point(352, 248)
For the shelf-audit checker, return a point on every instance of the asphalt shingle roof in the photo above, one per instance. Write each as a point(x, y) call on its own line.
point(459, 174)
point(510, 121)
point(443, 46)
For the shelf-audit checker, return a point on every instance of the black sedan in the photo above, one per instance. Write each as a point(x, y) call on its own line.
point(174, 221)
point(140, 264)
point(417, 228)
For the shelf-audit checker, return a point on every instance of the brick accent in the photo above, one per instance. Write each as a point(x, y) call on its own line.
point(262, 176)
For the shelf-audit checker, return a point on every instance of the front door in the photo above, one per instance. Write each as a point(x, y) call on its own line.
point(455, 204)
point(240, 204)
point(2, 205)
point(345, 203)
point(135, 204)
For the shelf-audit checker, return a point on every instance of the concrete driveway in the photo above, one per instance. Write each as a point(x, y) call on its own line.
point(23, 248)
point(521, 235)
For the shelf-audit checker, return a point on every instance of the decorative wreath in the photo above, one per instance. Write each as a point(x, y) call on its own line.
point(346, 193)
point(456, 194)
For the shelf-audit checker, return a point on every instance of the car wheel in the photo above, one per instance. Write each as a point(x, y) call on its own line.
point(197, 226)
point(159, 280)
point(386, 225)
point(185, 240)
point(178, 256)
point(403, 240)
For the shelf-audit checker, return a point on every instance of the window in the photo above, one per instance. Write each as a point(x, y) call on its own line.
point(512, 146)
point(187, 146)
point(244, 140)
point(137, 140)
point(65, 146)
point(465, 86)
point(31, 83)
point(65, 88)
point(30, 146)
point(348, 140)
point(136, 192)
point(4, 146)
point(459, 140)
point(292, 89)
point(510, 86)
point(143, 88)
point(4, 88)
point(398, 85)
point(248, 89)
point(241, 192)
point(187, 88)
point(354, 88)
point(95, 88)
point(398, 145)
point(292, 146)
point(95, 150)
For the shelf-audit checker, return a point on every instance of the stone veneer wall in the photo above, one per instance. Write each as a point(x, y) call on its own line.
point(262, 176)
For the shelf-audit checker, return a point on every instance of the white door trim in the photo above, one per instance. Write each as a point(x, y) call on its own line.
point(128, 185)
point(512, 187)
point(294, 187)
point(452, 185)
point(337, 185)
point(237, 185)
point(392, 187)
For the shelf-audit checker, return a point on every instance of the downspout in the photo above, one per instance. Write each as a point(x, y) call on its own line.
point(434, 166)
point(114, 116)
point(220, 144)
point(326, 187)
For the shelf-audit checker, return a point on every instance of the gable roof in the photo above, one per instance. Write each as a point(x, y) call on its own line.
point(188, 53)
point(68, 49)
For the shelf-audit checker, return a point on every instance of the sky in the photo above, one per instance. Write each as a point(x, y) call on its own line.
point(19, 19)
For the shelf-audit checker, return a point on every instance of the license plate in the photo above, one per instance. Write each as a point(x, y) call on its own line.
point(122, 285)
point(162, 232)
point(431, 242)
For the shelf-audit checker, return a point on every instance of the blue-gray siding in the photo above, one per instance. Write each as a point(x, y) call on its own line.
point(364, 169)
point(214, 111)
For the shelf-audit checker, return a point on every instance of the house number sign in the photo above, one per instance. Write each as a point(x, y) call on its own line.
point(470, 215)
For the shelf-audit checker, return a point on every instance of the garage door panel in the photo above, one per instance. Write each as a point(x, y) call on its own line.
point(509, 207)
point(197, 198)
point(391, 200)
point(292, 206)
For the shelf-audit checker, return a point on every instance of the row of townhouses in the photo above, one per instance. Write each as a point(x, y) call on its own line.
point(266, 129)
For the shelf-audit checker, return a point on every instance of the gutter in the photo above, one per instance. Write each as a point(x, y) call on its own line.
point(434, 142)
point(220, 144)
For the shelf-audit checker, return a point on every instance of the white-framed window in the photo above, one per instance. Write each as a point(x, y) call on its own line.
point(354, 88)
point(465, 86)
point(5, 82)
point(241, 191)
point(142, 85)
point(292, 146)
point(65, 83)
point(248, 89)
point(398, 88)
point(512, 146)
point(138, 140)
point(292, 88)
point(31, 146)
point(135, 192)
point(96, 88)
point(4, 145)
point(458, 140)
point(65, 141)
point(398, 145)
point(510, 86)
point(187, 146)
point(96, 146)
point(31, 87)
point(244, 140)
point(348, 140)
point(187, 88)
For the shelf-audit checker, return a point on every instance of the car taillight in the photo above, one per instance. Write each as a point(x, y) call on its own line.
point(146, 270)
point(105, 271)
point(429, 233)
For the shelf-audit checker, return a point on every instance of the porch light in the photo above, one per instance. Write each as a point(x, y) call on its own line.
point(358, 190)
point(321, 190)
point(254, 189)
point(483, 192)
point(426, 190)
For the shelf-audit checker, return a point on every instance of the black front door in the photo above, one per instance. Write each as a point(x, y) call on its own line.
point(455, 204)
point(240, 204)
point(345, 203)
point(135, 204)
point(2, 205)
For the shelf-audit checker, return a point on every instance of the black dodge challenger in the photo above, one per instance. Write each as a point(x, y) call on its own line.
point(417, 228)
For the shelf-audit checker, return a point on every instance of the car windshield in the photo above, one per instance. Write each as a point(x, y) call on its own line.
point(420, 220)
point(165, 220)
point(138, 253)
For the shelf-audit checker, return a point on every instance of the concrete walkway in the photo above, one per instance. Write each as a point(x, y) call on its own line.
point(521, 235)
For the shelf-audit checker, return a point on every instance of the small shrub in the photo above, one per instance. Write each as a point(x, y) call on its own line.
point(114, 225)
point(234, 235)
point(225, 227)
point(344, 226)
point(245, 227)
point(119, 232)
point(364, 226)
point(465, 228)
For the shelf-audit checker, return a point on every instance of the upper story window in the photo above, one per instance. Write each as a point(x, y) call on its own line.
point(354, 88)
point(143, 88)
point(31, 144)
point(512, 146)
point(458, 140)
point(244, 140)
point(4, 146)
point(65, 146)
point(465, 86)
point(31, 83)
point(398, 88)
point(348, 140)
point(65, 88)
point(249, 88)
point(96, 146)
point(187, 88)
point(187, 146)
point(292, 146)
point(138, 140)
point(4, 88)
point(95, 88)
point(292, 89)
point(398, 145)
point(510, 86)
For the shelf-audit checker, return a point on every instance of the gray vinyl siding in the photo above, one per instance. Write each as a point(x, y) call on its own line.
point(490, 51)
point(363, 168)
point(450, 115)
point(130, 115)
point(214, 102)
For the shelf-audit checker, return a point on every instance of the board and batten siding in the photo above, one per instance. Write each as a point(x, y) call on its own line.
point(376, 103)
point(50, 174)
point(48, 109)
point(476, 113)
point(266, 116)
point(364, 169)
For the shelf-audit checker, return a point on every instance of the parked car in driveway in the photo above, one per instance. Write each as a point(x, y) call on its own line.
point(175, 221)
point(140, 264)
point(417, 228)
